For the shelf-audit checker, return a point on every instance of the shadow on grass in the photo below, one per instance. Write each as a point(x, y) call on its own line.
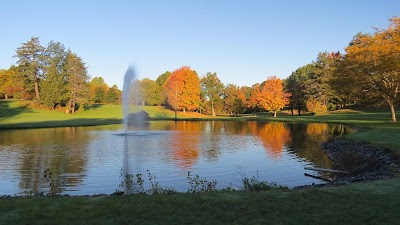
point(61, 123)
point(93, 107)
point(6, 111)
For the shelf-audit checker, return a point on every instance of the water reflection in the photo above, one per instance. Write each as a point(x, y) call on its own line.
point(89, 160)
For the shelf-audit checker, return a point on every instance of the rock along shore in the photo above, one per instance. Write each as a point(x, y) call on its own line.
point(364, 162)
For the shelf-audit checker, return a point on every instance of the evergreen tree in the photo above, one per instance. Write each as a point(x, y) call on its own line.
point(32, 62)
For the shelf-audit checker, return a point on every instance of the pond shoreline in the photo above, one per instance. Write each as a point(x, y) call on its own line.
point(363, 162)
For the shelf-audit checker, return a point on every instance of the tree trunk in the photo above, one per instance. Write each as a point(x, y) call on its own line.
point(299, 111)
point(291, 110)
point(391, 104)
point(275, 113)
point(37, 90)
point(212, 107)
point(6, 96)
point(175, 115)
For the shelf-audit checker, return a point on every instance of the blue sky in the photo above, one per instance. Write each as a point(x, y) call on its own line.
point(244, 42)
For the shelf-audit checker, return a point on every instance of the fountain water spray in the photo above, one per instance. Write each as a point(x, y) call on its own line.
point(128, 80)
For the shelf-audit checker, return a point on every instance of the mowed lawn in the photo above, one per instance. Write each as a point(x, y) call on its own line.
point(375, 202)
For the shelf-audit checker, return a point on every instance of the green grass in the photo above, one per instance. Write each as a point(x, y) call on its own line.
point(366, 203)
point(363, 203)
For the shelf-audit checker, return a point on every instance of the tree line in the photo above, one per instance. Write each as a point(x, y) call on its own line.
point(54, 77)
point(367, 73)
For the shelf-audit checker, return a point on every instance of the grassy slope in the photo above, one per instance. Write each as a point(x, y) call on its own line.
point(372, 203)
point(366, 203)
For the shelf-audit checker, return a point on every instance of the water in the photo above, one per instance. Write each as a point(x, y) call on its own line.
point(89, 160)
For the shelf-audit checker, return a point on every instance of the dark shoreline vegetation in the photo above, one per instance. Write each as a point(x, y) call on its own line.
point(372, 202)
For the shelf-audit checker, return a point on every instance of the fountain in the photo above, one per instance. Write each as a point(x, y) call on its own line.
point(128, 81)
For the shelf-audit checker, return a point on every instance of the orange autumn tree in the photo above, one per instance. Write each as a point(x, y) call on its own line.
point(270, 95)
point(183, 90)
point(372, 63)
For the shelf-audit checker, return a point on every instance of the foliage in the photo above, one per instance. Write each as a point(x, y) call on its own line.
point(234, 100)
point(270, 95)
point(317, 87)
point(200, 185)
point(128, 185)
point(315, 106)
point(31, 61)
point(255, 184)
point(98, 90)
point(183, 89)
point(212, 87)
point(150, 92)
point(372, 61)
point(295, 86)
point(53, 91)
point(77, 78)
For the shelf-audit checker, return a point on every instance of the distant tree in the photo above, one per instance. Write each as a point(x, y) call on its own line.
point(77, 82)
point(98, 90)
point(12, 83)
point(234, 99)
point(212, 88)
point(53, 84)
point(317, 86)
point(183, 89)
point(32, 62)
point(150, 92)
point(113, 95)
point(161, 81)
point(270, 95)
point(294, 85)
point(373, 63)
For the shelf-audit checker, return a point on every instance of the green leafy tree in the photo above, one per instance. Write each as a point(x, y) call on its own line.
point(234, 99)
point(77, 82)
point(31, 61)
point(294, 85)
point(113, 95)
point(98, 90)
point(162, 81)
point(53, 84)
point(212, 87)
point(150, 90)
point(317, 87)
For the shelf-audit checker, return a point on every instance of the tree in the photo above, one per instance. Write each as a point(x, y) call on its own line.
point(12, 83)
point(113, 95)
point(77, 78)
point(31, 61)
point(212, 88)
point(317, 86)
point(150, 92)
point(183, 89)
point(162, 91)
point(373, 62)
point(53, 84)
point(294, 86)
point(270, 95)
point(98, 90)
point(234, 99)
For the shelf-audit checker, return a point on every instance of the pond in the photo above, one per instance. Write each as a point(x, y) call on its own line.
point(90, 160)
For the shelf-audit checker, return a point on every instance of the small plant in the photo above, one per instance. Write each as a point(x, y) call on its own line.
point(156, 188)
point(255, 184)
point(200, 185)
point(129, 185)
point(126, 184)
